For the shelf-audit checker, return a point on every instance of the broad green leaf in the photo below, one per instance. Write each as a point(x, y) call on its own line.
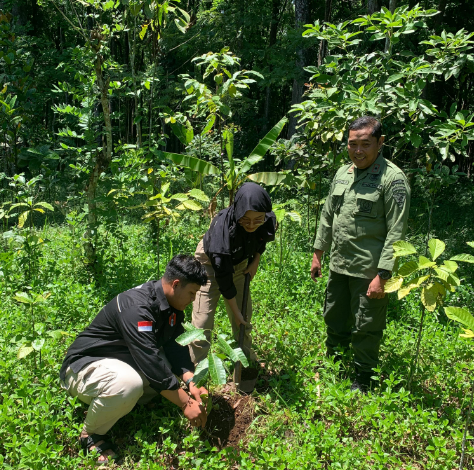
point(204, 364)
point(193, 163)
point(429, 294)
point(471, 244)
point(261, 149)
point(393, 284)
point(467, 334)
point(189, 326)
point(279, 214)
point(199, 195)
point(24, 350)
point(414, 283)
point(191, 335)
point(179, 197)
point(463, 257)
point(164, 188)
point(396, 77)
point(45, 205)
point(269, 178)
point(436, 248)
point(58, 334)
point(23, 297)
point(192, 205)
point(461, 315)
point(454, 280)
point(408, 268)
point(451, 265)
point(216, 369)
point(403, 248)
point(442, 274)
point(201, 375)
point(295, 216)
point(38, 344)
point(229, 144)
point(235, 354)
point(22, 219)
point(210, 123)
point(424, 263)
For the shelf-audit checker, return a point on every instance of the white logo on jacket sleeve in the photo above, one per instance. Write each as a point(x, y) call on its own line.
point(145, 326)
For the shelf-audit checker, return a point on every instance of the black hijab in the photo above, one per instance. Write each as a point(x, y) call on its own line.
point(224, 227)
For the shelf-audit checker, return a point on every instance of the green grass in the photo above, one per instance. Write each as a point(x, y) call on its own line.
point(306, 417)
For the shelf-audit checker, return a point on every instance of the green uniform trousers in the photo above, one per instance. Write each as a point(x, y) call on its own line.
point(351, 317)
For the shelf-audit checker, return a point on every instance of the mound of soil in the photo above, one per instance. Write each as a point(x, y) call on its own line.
point(227, 425)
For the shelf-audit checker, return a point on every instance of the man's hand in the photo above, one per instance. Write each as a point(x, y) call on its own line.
point(197, 392)
point(239, 319)
point(195, 412)
point(253, 266)
point(376, 288)
point(316, 265)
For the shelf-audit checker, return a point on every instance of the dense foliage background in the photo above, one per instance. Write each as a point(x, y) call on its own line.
point(125, 125)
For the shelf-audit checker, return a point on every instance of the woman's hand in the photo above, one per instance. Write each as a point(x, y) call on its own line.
point(253, 266)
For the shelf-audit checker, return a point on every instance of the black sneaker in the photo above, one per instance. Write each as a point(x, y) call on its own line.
point(363, 382)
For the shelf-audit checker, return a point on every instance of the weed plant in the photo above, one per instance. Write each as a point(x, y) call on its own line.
point(306, 416)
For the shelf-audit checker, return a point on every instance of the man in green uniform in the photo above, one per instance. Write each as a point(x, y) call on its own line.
point(365, 212)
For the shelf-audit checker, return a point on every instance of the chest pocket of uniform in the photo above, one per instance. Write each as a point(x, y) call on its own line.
point(366, 204)
point(337, 197)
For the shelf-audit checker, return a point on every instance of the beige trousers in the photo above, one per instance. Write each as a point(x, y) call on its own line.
point(205, 304)
point(111, 388)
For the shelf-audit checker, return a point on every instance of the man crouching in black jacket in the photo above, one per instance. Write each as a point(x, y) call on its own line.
point(128, 354)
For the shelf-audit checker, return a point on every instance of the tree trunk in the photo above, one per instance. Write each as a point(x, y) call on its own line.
point(301, 17)
point(323, 45)
point(103, 160)
point(392, 6)
point(371, 6)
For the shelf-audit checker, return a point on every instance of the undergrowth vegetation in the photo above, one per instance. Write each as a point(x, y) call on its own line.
point(305, 416)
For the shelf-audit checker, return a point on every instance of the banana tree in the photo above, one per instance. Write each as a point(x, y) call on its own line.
point(432, 279)
point(236, 173)
point(212, 368)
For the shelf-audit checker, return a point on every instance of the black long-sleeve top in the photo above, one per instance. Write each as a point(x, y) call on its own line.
point(132, 327)
point(242, 247)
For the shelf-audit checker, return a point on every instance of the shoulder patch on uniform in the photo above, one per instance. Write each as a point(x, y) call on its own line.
point(400, 197)
point(145, 326)
point(398, 183)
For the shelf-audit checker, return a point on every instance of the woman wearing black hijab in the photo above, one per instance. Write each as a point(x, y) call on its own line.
point(236, 234)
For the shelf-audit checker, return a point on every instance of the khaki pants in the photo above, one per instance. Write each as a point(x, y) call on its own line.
point(111, 388)
point(205, 304)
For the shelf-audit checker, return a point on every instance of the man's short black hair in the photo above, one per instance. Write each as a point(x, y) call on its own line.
point(187, 269)
point(367, 121)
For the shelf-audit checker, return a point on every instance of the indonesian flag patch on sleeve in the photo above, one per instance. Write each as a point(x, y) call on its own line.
point(145, 326)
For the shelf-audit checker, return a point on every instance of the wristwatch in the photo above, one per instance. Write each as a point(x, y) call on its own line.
point(384, 274)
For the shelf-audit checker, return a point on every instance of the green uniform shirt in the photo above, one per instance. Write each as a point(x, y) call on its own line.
point(363, 216)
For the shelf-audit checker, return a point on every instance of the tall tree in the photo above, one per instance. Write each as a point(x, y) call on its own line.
point(301, 18)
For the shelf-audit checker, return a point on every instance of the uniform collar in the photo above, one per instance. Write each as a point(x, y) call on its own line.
point(374, 169)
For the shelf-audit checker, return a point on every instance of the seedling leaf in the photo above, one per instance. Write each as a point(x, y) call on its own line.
point(189, 336)
point(24, 350)
point(392, 285)
point(436, 248)
point(424, 263)
point(461, 315)
point(216, 369)
point(450, 265)
point(408, 268)
point(428, 297)
point(463, 257)
point(403, 248)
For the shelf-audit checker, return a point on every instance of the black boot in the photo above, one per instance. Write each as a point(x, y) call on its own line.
point(363, 382)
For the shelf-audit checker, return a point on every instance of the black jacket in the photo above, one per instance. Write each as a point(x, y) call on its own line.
point(132, 327)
